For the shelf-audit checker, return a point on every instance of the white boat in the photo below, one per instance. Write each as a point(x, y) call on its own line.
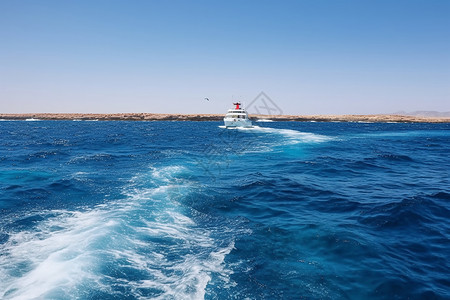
point(237, 117)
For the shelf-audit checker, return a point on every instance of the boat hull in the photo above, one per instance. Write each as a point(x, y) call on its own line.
point(231, 122)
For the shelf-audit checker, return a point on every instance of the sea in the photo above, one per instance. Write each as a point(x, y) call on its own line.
point(192, 210)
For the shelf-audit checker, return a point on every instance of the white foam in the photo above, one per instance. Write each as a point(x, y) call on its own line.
point(87, 157)
point(57, 254)
point(166, 173)
point(195, 274)
point(147, 232)
point(293, 136)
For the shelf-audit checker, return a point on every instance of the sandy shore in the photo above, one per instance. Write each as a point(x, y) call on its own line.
point(217, 117)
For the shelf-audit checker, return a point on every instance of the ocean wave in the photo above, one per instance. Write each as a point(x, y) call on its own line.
point(115, 247)
point(395, 157)
point(409, 212)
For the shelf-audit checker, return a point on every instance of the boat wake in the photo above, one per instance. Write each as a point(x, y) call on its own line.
point(291, 136)
point(144, 245)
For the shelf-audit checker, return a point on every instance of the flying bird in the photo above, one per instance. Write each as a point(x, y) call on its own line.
point(207, 99)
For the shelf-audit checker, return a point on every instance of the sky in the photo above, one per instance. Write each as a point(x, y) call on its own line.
point(308, 57)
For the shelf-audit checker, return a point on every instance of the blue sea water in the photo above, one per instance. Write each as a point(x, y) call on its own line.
point(190, 210)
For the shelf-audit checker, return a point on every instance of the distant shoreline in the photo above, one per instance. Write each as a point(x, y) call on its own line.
point(379, 118)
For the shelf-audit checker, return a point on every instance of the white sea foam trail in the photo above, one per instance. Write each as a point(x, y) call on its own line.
point(55, 256)
point(292, 136)
point(145, 246)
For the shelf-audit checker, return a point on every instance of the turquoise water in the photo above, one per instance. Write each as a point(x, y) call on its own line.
point(189, 210)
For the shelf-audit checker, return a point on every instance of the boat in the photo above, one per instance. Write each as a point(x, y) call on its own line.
point(237, 117)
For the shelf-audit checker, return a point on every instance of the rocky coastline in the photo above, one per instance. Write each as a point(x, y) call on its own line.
point(379, 118)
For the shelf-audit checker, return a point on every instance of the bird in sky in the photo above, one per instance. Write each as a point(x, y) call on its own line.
point(207, 99)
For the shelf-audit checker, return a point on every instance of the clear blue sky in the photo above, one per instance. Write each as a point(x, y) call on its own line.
point(310, 57)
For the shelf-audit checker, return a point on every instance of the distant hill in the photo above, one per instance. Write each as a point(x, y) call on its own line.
point(425, 113)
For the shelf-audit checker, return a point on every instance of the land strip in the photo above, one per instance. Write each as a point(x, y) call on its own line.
point(216, 117)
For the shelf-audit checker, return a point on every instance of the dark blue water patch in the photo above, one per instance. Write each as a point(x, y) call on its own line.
point(13, 187)
point(367, 164)
point(45, 194)
point(407, 213)
point(404, 230)
point(337, 205)
point(395, 157)
point(23, 223)
point(3, 237)
point(296, 265)
point(441, 196)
